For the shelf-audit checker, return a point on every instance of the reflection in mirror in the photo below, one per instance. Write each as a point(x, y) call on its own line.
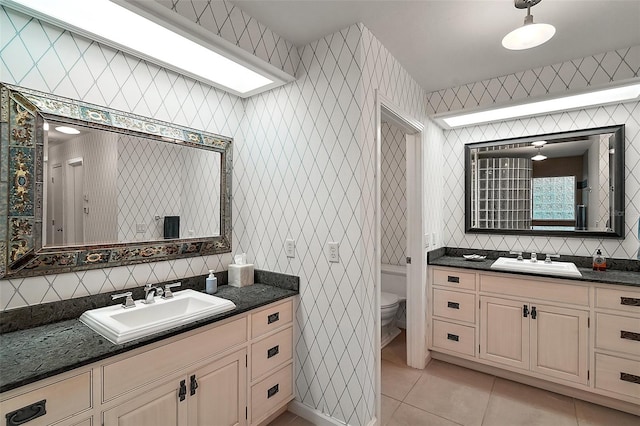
point(567, 183)
point(108, 187)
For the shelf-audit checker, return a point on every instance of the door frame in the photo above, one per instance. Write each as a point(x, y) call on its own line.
point(416, 271)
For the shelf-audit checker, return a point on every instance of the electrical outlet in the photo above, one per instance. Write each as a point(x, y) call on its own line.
point(191, 232)
point(290, 247)
point(333, 252)
point(141, 228)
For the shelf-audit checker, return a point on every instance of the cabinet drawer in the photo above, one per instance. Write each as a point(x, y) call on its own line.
point(457, 279)
point(454, 305)
point(454, 337)
point(271, 318)
point(618, 375)
point(618, 333)
point(535, 289)
point(622, 300)
point(127, 374)
point(271, 393)
point(63, 399)
point(270, 352)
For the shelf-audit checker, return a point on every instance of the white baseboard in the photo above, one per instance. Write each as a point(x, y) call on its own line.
point(313, 415)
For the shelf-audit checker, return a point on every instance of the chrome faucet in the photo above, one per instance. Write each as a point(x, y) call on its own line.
point(150, 292)
point(128, 302)
point(534, 257)
point(549, 256)
point(519, 253)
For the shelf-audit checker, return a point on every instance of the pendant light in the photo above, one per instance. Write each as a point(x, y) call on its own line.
point(539, 156)
point(529, 35)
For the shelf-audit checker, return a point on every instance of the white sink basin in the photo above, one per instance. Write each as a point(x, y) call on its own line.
point(564, 269)
point(120, 325)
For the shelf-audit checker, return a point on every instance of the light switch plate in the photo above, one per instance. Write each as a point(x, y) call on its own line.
point(290, 247)
point(333, 252)
point(141, 227)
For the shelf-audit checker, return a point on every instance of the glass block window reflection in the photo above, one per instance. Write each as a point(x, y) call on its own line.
point(554, 198)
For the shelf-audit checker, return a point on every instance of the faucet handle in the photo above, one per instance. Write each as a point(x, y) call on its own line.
point(168, 294)
point(128, 301)
point(519, 253)
point(547, 259)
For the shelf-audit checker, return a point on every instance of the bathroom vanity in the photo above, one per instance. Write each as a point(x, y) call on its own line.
point(236, 369)
point(578, 337)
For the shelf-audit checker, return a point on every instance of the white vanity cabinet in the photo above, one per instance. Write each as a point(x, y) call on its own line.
point(573, 337)
point(237, 371)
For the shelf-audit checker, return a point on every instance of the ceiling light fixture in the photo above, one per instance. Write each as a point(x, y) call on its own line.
point(158, 39)
point(68, 130)
point(627, 91)
point(539, 156)
point(529, 35)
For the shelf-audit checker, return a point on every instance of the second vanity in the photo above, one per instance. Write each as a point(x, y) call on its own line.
point(234, 369)
point(576, 337)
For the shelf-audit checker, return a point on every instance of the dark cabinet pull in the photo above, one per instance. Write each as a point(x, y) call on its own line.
point(534, 313)
point(273, 351)
point(182, 393)
point(630, 335)
point(193, 385)
point(273, 318)
point(525, 310)
point(632, 378)
point(272, 391)
point(630, 301)
point(452, 279)
point(453, 337)
point(453, 305)
point(26, 414)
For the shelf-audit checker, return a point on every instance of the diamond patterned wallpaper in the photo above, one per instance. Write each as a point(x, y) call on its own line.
point(40, 56)
point(393, 197)
point(628, 113)
point(229, 22)
point(570, 75)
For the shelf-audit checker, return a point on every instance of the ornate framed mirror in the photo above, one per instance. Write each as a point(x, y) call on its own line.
point(88, 187)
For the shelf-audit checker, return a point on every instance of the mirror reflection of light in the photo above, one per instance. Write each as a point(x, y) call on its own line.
point(67, 130)
point(45, 126)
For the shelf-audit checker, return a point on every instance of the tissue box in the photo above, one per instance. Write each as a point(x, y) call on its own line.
point(240, 275)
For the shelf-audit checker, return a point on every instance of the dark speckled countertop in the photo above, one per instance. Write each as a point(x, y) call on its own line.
point(40, 352)
point(627, 276)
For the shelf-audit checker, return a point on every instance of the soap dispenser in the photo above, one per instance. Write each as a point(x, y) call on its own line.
point(211, 284)
point(599, 262)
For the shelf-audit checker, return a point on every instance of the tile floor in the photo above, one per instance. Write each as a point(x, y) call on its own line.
point(447, 395)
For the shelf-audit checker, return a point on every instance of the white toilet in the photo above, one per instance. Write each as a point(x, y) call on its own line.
point(388, 307)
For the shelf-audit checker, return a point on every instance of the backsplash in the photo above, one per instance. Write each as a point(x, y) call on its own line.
point(393, 222)
point(627, 113)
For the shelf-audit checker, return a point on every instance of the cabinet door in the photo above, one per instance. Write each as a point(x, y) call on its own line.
point(504, 332)
point(218, 392)
point(159, 407)
point(559, 343)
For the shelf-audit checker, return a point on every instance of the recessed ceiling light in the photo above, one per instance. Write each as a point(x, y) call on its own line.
point(622, 93)
point(67, 130)
point(107, 22)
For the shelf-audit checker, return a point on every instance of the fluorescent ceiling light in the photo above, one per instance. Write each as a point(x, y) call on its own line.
point(68, 130)
point(597, 97)
point(113, 23)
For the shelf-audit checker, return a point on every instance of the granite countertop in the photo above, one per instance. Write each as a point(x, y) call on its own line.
point(610, 276)
point(40, 352)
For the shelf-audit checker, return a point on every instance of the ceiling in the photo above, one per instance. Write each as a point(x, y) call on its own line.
point(446, 43)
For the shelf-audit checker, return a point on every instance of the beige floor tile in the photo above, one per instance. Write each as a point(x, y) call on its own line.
point(513, 403)
point(389, 406)
point(596, 415)
point(398, 380)
point(396, 351)
point(455, 393)
point(299, 421)
point(283, 419)
point(406, 415)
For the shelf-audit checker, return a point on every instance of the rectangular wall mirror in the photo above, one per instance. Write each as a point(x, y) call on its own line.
point(93, 187)
point(560, 184)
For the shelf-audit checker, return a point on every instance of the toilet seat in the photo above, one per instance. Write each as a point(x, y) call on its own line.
point(388, 299)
